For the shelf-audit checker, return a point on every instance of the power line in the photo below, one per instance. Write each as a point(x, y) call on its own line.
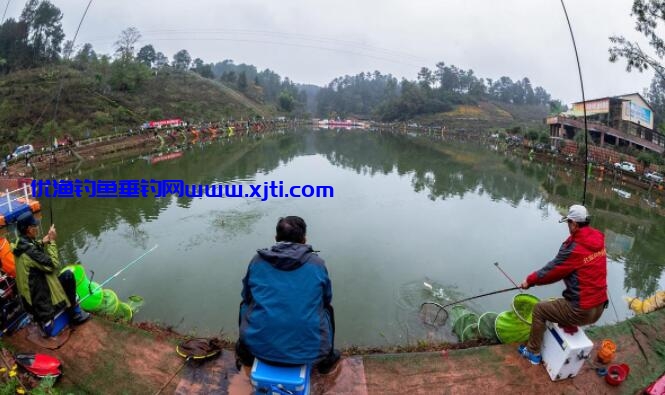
point(297, 36)
point(338, 50)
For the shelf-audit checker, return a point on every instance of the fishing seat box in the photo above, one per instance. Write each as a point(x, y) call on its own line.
point(271, 379)
point(564, 354)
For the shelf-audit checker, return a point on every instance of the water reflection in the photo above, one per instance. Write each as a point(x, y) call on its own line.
point(377, 232)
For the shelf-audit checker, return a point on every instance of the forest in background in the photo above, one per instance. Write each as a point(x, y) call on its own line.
point(49, 85)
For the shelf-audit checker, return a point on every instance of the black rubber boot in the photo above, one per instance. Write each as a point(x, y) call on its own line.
point(78, 316)
point(329, 363)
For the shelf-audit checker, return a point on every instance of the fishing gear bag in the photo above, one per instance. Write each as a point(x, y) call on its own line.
point(12, 313)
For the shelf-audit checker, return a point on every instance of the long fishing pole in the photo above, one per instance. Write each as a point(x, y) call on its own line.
point(57, 102)
point(442, 308)
point(586, 133)
point(505, 274)
point(22, 318)
point(471, 298)
point(130, 264)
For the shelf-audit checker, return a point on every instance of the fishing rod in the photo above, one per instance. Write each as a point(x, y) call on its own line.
point(130, 264)
point(507, 276)
point(586, 133)
point(23, 317)
point(443, 307)
point(57, 102)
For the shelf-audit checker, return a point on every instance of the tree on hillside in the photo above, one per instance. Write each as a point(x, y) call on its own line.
point(204, 70)
point(181, 60)
point(242, 81)
point(229, 76)
point(14, 45)
point(85, 56)
point(426, 78)
point(45, 34)
point(655, 95)
point(161, 60)
point(146, 55)
point(286, 101)
point(124, 47)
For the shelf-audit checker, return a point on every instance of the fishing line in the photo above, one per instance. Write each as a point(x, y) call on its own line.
point(505, 274)
point(5, 13)
point(57, 99)
point(57, 103)
point(609, 295)
point(130, 264)
point(586, 133)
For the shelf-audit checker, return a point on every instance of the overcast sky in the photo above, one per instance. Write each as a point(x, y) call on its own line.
point(314, 41)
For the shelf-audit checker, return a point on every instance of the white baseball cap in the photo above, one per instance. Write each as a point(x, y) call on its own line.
point(577, 213)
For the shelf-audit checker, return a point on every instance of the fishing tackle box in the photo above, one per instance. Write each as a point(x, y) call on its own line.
point(563, 353)
point(271, 379)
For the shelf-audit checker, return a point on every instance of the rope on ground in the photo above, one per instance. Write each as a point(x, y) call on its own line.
point(632, 332)
point(172, 376)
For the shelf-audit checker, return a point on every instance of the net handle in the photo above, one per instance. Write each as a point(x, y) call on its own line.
point(441, 308)
point(471, 298)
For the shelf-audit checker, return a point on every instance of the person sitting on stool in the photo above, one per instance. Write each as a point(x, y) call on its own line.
point(582, 264)
point(44, 293)
point(286, 317)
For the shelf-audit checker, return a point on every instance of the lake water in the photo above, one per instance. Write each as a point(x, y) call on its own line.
point(406, 210)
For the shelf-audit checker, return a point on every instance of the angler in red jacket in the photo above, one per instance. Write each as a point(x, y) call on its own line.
point(581, 264)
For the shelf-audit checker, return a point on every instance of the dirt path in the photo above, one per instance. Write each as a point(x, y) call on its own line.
point(107, 358)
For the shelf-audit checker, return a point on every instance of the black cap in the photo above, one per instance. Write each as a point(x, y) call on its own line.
point(24, 220)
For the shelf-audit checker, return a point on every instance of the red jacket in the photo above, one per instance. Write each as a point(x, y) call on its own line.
point(582, 264)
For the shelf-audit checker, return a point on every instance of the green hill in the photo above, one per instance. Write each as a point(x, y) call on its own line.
point(488, 115)
point(87, 105)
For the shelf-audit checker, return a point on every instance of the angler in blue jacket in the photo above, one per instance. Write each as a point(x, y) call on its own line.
point(286, 316)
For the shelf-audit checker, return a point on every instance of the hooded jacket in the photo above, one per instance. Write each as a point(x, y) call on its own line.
point(37, 269)
point(286, 313)
point(582, 264)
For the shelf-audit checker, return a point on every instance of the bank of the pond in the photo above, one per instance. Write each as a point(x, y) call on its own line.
point(107, 149)
point(103, 357)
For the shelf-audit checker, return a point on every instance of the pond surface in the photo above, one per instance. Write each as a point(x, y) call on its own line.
point(406, 210)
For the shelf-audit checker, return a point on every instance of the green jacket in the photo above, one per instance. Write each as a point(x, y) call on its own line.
point(37, 270)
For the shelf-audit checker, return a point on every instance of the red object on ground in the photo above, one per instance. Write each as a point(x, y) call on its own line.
point(41, 365)
point(657, 387)
point(616, 374)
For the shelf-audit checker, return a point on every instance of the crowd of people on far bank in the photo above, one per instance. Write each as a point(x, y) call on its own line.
point(286, 315)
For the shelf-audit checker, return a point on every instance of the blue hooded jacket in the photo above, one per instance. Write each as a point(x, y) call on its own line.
point(286, 312)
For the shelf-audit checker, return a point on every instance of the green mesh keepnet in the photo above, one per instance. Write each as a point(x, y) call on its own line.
point(461, 319)
point(470, 333)
point(523, 306)
point(510, 329)
point(486, 329)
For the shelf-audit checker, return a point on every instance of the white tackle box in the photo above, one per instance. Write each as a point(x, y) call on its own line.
point(564, 354)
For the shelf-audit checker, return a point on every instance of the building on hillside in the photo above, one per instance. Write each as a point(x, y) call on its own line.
point(619, 121)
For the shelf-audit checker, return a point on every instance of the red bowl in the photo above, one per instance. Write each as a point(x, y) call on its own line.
point(616, 374)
